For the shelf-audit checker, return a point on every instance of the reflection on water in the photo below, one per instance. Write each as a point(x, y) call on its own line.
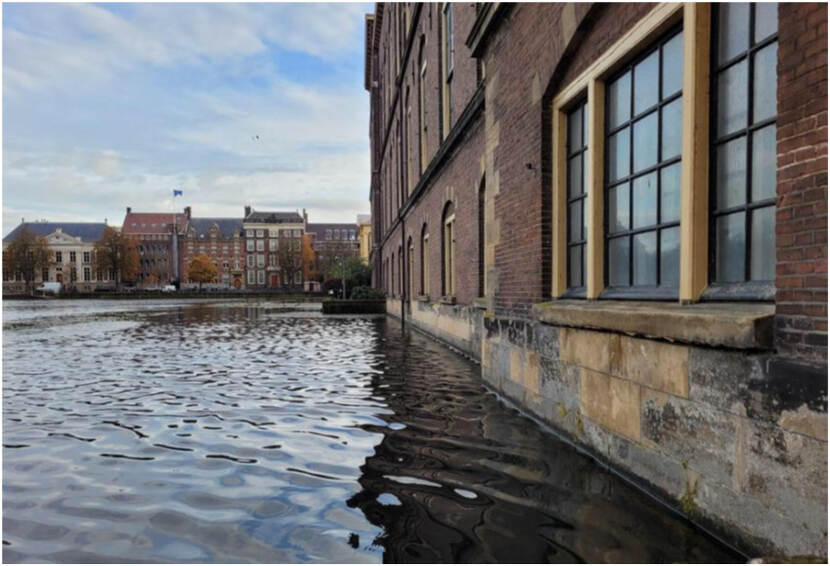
point(226, 432)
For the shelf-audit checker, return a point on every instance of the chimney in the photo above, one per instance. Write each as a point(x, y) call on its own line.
point(187, 212)
point(247, 211)
point(129, 210)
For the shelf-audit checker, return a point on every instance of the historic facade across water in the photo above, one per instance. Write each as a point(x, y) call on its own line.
point(620, 210)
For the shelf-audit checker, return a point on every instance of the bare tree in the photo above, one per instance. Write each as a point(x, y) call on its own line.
point(26, 255)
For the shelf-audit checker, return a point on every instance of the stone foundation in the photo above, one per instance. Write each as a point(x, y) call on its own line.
point(733, 437)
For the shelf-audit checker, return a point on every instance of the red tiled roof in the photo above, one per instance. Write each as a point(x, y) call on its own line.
point(151, 222)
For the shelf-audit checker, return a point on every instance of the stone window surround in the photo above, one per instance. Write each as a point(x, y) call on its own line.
point(694, 214)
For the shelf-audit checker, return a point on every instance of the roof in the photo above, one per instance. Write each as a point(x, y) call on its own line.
point(151, 222)
point(86, 231)
point(227, 226)
point(267, 217)
point(319, 230)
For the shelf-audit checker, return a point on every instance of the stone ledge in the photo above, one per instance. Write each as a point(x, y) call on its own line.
point(731, 325)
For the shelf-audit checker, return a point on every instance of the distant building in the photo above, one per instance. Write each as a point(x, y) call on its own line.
point(223, 241)
point(158, 236)
point(273, 249)
point(72, 260)
point(331, 243)
point(364, 236)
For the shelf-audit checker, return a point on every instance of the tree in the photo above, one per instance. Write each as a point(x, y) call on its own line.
point(201, 270)
point(118, 254)
point(289, 257)
point(26, 254)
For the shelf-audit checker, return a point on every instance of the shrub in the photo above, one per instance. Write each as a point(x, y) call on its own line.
point(364, 292)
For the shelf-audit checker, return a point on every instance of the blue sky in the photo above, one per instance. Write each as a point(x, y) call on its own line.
point(114, 105)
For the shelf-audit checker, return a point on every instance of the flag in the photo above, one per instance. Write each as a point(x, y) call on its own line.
point(177, 193)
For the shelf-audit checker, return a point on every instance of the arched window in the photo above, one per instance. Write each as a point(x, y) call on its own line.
point(392, 280)
point(410, 269)
point(448, 250)
point(400, 272)
point(425, 260)
point(422, 108)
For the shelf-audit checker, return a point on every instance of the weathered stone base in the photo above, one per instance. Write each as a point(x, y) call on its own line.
point(733, 438)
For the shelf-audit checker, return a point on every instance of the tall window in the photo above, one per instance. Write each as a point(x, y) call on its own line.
point(410, 267)
point(744, 74)
point(643, 144)
point(73, 258)
point(58, 257)
point(392, 287)
point(407, 134)
point(87, 274)
point(449, 55)
point(481, 238)
point(577, 143)
point(448, 247)
point(425, 261)
point(422, 109)
point(86, 257)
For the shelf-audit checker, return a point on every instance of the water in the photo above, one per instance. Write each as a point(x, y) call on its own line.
point(249, 432)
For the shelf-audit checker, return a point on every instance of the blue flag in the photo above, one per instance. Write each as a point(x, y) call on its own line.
point(177, 193)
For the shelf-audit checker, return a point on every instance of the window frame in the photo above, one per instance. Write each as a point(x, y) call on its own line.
point(581, 103)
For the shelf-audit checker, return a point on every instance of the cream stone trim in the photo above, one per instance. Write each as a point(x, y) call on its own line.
point(595, 162)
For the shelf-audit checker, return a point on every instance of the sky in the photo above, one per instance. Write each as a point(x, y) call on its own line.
point(113, 105)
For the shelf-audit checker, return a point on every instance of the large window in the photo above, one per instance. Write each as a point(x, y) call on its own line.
point(448, 247)
point(643, 143)
point(422, 109)
point(410, 275)
point(744, 109)
point(577, 140)
point(448, 52)
point(425, 261)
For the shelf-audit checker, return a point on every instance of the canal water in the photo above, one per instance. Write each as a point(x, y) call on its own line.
point(250, 432)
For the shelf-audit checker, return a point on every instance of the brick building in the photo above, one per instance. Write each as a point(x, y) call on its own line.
point(223, 241)
point(273, 249)
point(158, 235)
point(621, 211)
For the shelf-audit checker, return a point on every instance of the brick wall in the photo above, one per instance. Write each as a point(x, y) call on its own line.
point(801, 216)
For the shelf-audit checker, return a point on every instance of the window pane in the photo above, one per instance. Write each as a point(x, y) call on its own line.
point(762, 252)
point(670, 257)
point(645, 142)
point(575, 218)
point(575, 176)
point(645, 82)
point(645, 200)
point(766, 20)
point(575, 273)
point(764, 86)
point(670, 188)
point(763, 163)
point(673, 65)
point(730, 248)
point(732, 99)
point(585, 124)
point(575, 130)
point(618, 262)
point(618, 208)
point(619, 101)
point(645, 259)
point(584, 221)
point(731, 175)
point(672, 125)
point(733, 30)
point(618, 155)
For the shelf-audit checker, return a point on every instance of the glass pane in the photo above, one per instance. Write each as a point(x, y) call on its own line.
point(763, 163)
point(575, 176)
point(731, 173)
point(575, 219)
point(762, 252)
point(619, 101)
point(766, 20)
point(673, 65)
point(618, 208)
point(764, 85)
point(618, 262)
point(645, 200)
point(575, 272)
point(672, 125)
point(618, 155)
point(575, 130)
point(670, 257)
point(670, 199)
point(732, 99)
point(733, 30)
point(731, 238)
point(585, 124)
point(645, 142)
point(645, 259)
point(646, 73)
point(584, 220)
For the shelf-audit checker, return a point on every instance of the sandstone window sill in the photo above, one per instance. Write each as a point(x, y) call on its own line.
point(480, 302)
point(422, 298)
point(730, 325)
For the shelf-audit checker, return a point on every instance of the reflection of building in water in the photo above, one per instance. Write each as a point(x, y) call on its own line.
point(459, 477)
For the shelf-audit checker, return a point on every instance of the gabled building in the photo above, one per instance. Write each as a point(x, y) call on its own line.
point(72, 255)
point(223, 241)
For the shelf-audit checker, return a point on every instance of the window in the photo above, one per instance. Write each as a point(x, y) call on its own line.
point(86, 257)
point(410, 267)
point(298, 233)
point(337, 234)
point(260, 277)
point(272, 244)
point(298, 278)
point(392, 287)
point(58, 257)
point(260, 245)
point(328, 234)
point(448, 246)
point(260, 260)
point(260, 233)
point(422, 109)
point(643, 145)
point(45, 275)
point(249, 233)
point(87, 274)
point(448, 55)
point(73, 258)
point(250, 260)
point(249, 245)
point(481, 238)
point(743, 172)
point(251, 277)
point(424, 261)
